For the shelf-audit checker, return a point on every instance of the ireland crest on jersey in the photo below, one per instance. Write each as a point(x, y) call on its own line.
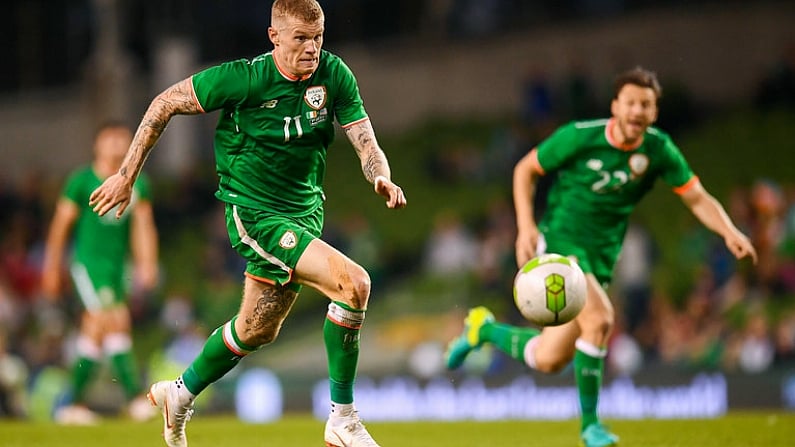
point(288, 240)
point(315, 96)
point(638, 163)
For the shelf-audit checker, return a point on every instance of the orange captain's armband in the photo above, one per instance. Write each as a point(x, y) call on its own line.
point(687, 186)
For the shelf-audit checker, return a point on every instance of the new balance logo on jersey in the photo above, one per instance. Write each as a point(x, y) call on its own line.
point(270, 104)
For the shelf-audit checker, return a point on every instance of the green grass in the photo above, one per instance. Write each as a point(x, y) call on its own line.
point(747, 429)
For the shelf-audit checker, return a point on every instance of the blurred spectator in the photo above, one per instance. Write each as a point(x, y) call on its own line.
point(451, 249)
point(505, 147)
point(221, 262)
point(768, 232)
point(578, 92)
point(455, 162)
point(756, 350)
point(626, 355)
point(186, 338)
point(11, 316)
point(537, 110)
point(633, 281)
point(496, 264)
point(18, 268)
point(13, 382)
point(691, 338)
point(784, 338)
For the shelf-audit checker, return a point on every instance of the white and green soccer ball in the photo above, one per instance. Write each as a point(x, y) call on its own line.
point(550, 290)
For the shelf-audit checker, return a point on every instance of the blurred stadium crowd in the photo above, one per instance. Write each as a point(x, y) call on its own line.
point(730, 318)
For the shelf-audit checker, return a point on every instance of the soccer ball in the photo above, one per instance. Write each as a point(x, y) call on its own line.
point(549, 290)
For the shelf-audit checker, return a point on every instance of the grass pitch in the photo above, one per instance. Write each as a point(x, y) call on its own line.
point(768, 429)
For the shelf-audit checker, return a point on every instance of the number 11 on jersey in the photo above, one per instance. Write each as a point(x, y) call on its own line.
point(298, 129)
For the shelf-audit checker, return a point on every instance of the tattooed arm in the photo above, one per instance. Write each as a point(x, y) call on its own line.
point(362, 137)
point(375, 166)
point(179, 99)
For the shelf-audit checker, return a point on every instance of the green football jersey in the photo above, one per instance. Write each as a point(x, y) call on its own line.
point(274, 130)
point(101, 244)
point(598, 185)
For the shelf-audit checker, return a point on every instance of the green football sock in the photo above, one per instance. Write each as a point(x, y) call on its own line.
point(222, 351)
point(123, 364)
point(507, 338)
point(588, 372)
point(341, 336)
point(82, 373)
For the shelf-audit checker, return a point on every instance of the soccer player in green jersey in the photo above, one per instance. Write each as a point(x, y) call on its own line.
point(276, 123)
point(101, 248)
point(603, 168)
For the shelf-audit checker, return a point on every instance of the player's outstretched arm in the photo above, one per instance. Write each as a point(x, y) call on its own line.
point(179, 99)
point(711, 213)
point(375, 166)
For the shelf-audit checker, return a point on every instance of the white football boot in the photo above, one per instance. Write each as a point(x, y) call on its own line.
point(176, 411)
point(347, 431)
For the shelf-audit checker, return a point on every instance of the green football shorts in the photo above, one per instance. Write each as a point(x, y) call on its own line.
point(98, 288)
point(597, 260)
point(271, 243)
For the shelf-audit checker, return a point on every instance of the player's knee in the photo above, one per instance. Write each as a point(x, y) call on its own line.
point(597, 323)
point(268, 337)
point(261, 331)
point(361, 291)
point(605, 323)
point(259, 336)
point(355, 288)
point(598, 330)
point(264, 309)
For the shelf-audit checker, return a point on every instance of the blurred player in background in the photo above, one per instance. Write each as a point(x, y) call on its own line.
point(603, 168)
point(101, 248)
point(276, 123)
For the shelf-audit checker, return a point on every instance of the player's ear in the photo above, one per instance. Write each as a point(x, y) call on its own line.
point(273, 35)
point(614, 107)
